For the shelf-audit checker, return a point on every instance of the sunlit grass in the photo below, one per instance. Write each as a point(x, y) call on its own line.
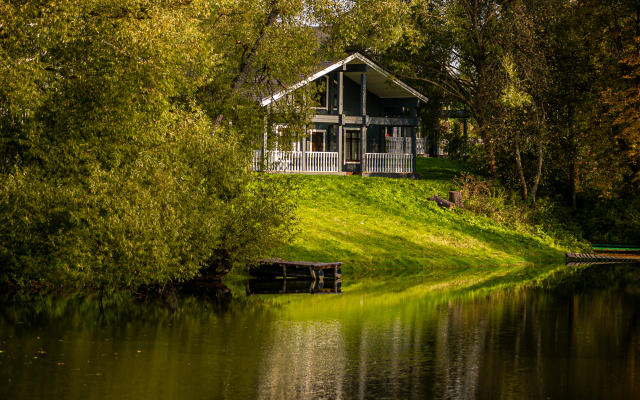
point(378, 223)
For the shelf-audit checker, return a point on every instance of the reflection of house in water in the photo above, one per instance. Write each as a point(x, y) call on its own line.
point(459, 352)
point(403, 357)
point(304, 360)
point(528, 344)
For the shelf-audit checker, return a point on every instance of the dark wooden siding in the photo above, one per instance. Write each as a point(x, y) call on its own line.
point(375, 105)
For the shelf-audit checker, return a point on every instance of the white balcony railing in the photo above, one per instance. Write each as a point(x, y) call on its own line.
point(387, 163)
point(322, 161)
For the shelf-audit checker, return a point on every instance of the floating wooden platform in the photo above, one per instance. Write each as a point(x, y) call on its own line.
point(276, 267)
point(289, 286)
point(583, 259)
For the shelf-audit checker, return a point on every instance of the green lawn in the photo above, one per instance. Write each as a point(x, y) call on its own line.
point(380, 223)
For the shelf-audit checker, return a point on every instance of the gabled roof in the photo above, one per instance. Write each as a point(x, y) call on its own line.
point(379, 81)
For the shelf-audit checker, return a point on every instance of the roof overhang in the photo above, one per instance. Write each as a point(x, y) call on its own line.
point(379, 81)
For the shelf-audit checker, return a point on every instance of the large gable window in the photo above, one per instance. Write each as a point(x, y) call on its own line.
point(321, 97)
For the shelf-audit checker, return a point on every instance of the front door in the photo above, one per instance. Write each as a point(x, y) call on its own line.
point(352, 145)
point(317, 141)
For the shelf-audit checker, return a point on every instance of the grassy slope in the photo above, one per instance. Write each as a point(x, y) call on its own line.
point(373, 223)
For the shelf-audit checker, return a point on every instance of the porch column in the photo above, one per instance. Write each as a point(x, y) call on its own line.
point(330, 93)
point(403, 135)
point(363, 112)
point(264, 143)
point(303, 148)
point(414, 145)
point(340, 112)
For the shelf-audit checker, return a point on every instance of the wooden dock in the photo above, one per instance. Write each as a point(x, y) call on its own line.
point(584, 259)
point(276, 267)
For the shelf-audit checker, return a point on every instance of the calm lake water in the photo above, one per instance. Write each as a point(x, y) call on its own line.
point(573, 335)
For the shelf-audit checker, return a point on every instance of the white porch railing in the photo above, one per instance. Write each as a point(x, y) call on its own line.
point(279, 161)
point(387, 163)
point(420, 144)
point(322, 161)
point(319, 161)
point(399, 145)
point(255, 161)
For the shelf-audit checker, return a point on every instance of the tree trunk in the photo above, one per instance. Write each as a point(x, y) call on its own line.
point(538, 172)
point(442, 202)
point(488, 147)
point(456, 198)
point(572, 182)
point(525, 195)
point(573, 152)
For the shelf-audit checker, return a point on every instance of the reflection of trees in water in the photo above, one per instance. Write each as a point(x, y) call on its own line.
point(577, 340)
point(141, 345)
point(383, 352)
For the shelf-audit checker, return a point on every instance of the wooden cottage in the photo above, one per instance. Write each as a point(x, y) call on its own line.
point(367, 123)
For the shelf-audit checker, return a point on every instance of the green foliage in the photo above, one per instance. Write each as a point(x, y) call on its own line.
point(609, 220)
point(113, 172)
point(455, 144)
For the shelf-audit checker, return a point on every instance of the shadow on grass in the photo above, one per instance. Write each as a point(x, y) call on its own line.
point(440, 169)
point(374, 247)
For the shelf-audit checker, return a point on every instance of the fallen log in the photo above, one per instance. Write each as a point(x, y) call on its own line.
point(442, 202)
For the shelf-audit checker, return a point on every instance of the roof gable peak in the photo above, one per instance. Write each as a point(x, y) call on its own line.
point(384, 85)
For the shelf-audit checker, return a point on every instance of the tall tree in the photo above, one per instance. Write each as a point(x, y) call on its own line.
point(455, 46)
point(110, 173)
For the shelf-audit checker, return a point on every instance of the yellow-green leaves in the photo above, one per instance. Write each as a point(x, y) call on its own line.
point(110, 173)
